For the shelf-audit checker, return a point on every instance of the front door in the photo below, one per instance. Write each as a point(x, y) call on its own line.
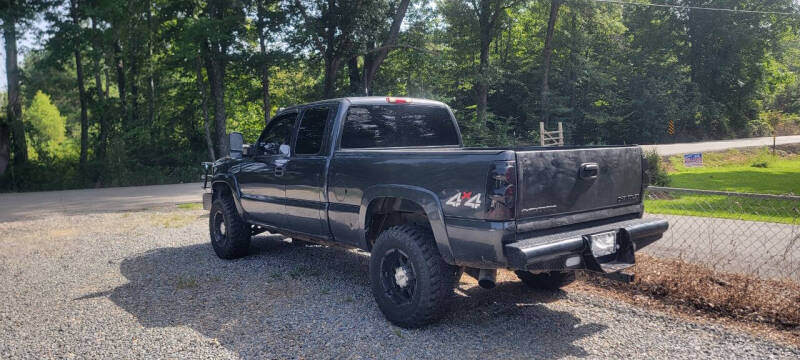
point(305, 173)
point(261, 176)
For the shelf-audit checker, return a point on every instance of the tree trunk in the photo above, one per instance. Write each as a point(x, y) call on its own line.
point(14, 107)
point(201, 87)
point(100, 151)
point(331, 67)
point(355, 76)
point(216, 78)
point(482, 85)
point(376, 59)
point(151, 87)
point(121, 83)
point(5, 141)
point(84, 112)
point(548, 52)
point(262, 47)
point(264, 65)
point(133, 77)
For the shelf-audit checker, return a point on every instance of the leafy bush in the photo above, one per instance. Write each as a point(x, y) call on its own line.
point(655, 169)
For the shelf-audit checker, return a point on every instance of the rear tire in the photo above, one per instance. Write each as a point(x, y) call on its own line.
point(230, 234)
point(410, 281)
point(553, 280)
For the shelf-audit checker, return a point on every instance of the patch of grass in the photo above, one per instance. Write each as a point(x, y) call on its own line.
point(726, 207)
point(747, 170)
point(303, 271)
point(349, 299)
point(190, 206)
point(397, 332)
point(753, 171)
point(699, 288)
point(173, 220)
point(275, 276)
point(186, 282)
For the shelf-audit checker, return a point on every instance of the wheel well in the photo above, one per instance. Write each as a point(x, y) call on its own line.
point(220, 189)
point(385, 212)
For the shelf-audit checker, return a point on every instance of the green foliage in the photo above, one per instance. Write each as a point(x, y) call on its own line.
point(655, 169)
point(47, 126)
point(619, 74)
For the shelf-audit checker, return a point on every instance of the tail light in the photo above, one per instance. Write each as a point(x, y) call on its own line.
point(501, 190)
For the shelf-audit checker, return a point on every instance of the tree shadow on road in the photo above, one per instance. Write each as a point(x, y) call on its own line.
point(313, 301)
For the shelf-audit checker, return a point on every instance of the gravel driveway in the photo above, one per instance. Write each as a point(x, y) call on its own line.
point(147, 284)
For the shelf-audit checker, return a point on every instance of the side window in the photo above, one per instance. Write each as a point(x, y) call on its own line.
point(277, 133)
point(311, 131)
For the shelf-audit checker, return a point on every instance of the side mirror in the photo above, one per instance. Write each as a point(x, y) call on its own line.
point(247, 150)
point(284, 149)
point(236, 141)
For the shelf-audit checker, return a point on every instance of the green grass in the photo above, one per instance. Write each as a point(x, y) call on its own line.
point(750, 171)
point(725, 207)
point(190, 206)
point(735, 171)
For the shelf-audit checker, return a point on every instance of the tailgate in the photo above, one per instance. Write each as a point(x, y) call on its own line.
point(563, 181)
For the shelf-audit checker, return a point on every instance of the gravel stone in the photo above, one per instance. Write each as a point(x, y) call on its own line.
point(146, 284)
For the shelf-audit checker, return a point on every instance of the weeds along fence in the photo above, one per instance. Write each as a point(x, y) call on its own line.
point(752, 234)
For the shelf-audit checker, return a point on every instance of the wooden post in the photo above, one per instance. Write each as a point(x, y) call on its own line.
point(541, 133)
point(560, 134)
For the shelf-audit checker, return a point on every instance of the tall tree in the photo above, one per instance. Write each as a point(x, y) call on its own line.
point(488, 14)
point(547, 55)
point(14, 13)
point(76, 27)
point(329, 27)
point(376, 56)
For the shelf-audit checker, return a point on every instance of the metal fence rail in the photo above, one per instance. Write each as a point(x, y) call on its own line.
point(734, 232)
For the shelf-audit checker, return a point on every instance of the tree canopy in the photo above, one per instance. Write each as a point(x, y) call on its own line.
point(140, 92)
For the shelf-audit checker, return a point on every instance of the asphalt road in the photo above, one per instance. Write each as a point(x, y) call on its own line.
point(146, 284)
point(674, 149)
point(15, 206)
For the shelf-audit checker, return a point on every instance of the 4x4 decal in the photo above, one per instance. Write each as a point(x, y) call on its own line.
point(465, 198)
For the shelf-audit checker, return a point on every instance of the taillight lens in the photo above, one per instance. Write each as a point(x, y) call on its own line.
point(501, 189)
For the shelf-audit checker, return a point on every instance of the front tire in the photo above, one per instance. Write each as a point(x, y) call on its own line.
point(552, 280)
point(410, 281)
point(230, 234)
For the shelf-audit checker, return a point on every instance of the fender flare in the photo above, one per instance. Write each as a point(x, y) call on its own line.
point(233, 186)
point(426, 199)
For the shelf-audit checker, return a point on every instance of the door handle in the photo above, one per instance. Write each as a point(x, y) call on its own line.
point(280, 167)
point(589, 171)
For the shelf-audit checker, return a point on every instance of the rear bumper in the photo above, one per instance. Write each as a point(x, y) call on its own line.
point(487, 244)
point(572, 249)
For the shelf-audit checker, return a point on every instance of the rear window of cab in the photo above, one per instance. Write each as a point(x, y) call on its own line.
point(398, 125)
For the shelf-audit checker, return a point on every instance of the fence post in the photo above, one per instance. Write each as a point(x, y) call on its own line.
point(541, 133)
point(560, 134)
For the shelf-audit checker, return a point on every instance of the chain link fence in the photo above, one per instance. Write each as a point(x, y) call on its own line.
point(732, 232)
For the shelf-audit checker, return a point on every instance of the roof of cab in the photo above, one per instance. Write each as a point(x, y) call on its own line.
point(364, 100)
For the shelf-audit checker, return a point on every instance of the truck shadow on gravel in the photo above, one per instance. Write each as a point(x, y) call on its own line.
point(313, 301)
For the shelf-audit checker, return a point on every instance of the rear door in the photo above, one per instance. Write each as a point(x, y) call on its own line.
point(564, 181)
point(304, 173)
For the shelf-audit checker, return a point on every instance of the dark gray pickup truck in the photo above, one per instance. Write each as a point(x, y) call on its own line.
point(391, 176)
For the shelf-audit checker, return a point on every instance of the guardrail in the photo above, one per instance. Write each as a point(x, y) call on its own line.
point(757, 234)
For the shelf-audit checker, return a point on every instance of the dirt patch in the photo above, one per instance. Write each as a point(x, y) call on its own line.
point(770, 305)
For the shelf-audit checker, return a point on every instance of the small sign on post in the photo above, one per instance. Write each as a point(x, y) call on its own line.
point(693, 160)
